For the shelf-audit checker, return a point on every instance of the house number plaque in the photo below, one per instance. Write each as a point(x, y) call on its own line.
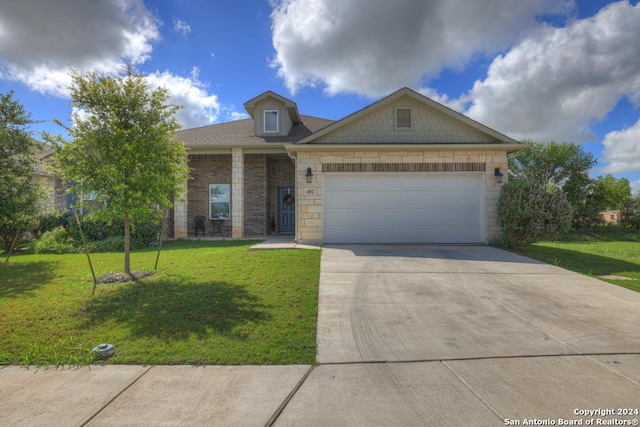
point(311, 191)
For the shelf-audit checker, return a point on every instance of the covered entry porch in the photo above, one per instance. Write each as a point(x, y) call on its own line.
point(239, 192)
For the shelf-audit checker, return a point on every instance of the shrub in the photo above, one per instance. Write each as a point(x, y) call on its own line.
point(106, 234)
point(110, 244)
point(22, 229)
point(59, 233)
point(528, 212)
point(56, 241)
point(52, 220)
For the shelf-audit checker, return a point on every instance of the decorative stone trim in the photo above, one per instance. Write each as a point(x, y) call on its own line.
point(404, 167)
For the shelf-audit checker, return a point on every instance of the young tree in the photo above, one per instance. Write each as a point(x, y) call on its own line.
point(122, 148)
point(19, 194)
point(552, 163)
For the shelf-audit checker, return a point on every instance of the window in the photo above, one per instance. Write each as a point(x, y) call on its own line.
point(271, 121)
point(403, 118)
point(220, 201)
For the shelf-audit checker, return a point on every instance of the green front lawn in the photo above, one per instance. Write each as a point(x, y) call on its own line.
point(602, 252)
point(209, 303)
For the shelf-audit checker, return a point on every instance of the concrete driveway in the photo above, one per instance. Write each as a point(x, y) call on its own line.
point(407, 336)
point(466, 335)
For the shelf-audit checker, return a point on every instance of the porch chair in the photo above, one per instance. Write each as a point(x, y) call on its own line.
point(199, 224)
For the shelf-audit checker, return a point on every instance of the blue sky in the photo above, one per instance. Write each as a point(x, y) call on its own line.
point(544, 70)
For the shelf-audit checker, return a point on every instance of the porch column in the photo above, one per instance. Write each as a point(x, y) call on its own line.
point(237, 193)
point(180, 214)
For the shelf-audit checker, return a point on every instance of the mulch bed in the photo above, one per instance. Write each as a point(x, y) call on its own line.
point(122, 277)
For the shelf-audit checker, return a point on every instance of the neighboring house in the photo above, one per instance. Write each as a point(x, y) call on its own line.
point(56, 197)
point(404, 169)
point(611, 216)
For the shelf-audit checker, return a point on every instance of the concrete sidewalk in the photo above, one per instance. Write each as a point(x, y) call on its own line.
point(482, 392)
point(407, 335)
point(282, 242)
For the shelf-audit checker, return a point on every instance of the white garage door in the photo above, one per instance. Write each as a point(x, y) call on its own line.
point(404, 208)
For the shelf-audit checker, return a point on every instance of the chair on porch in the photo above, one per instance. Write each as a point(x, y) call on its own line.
point(199, 224)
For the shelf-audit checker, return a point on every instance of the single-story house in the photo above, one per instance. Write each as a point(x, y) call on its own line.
point(404, 169)
point(613, 216)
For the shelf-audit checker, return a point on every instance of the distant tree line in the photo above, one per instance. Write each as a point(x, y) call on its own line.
point(550, 192)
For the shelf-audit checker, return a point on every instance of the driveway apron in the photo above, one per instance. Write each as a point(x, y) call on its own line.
point(467, 335)
point(403, 303)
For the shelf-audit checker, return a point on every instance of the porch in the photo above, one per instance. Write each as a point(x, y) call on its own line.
point(255, 184)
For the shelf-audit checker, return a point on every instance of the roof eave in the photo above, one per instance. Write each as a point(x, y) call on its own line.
point(508, 147)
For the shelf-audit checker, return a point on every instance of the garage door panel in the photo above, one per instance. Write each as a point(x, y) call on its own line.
point(401, 199)
point(433, 208)
point(391, 234)
point(407, 217)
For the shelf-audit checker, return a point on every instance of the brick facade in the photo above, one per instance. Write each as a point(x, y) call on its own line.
point(255, 195)
point(205, 169)
point(262, 176)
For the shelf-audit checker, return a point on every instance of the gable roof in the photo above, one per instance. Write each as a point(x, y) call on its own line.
point(291, 106)
point(419, 98)
point(241, 132)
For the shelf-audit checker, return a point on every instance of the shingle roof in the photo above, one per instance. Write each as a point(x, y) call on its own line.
point(241, 132)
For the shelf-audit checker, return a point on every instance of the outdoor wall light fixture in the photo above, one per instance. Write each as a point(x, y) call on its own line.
point(309, 176)
point(498, 175)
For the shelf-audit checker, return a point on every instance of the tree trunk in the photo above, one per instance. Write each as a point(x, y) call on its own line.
point(127, 251)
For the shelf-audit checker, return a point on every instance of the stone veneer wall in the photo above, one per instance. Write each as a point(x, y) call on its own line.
point(255, 195)
point(205, 169)
point(281, 174)
point(309, 213)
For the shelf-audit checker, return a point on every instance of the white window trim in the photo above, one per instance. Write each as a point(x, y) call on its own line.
point(395, 118)
point(264, 117)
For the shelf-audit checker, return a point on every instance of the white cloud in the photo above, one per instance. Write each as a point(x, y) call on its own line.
point(457, 104)
point(40, 41)
point(181, 27)
point(557, 83)
point(237, 115)
point(372, 48)
point(199, 107)
point(622, 150)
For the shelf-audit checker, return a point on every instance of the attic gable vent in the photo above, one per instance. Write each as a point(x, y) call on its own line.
point(403, 118)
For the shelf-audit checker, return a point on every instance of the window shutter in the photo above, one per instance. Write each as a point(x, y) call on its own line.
point(403, 117)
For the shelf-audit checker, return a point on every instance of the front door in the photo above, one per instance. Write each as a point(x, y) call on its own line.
point(286, 210)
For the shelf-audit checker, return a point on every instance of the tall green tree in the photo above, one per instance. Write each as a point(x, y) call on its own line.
point(122, 148)
point(552, 163)
point(19, 194)
point(610, 192)
point(565, 165)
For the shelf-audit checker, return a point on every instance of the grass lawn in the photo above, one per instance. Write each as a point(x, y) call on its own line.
point(209, 303)
point(605, 251)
